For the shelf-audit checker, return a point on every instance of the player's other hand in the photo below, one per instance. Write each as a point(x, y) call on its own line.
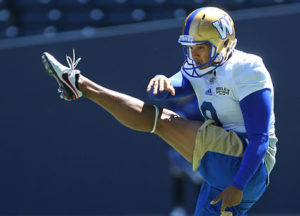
point(231, 196)
point(160, 83)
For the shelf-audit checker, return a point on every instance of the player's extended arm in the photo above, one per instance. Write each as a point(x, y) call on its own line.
point(256, 109)
point(161, 88)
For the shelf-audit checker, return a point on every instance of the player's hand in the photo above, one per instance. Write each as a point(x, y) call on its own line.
point(231, 196)
point(160, 83)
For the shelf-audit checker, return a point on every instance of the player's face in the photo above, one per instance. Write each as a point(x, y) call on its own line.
point(200, 54)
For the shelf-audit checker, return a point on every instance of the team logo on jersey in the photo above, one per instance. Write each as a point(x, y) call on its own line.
point(208, 92)
point(223, 26)
point(222, 91)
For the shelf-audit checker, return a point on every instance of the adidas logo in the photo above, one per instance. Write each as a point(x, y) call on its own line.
point(208, 92)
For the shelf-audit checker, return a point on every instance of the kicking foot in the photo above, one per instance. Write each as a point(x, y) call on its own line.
point(66, 77)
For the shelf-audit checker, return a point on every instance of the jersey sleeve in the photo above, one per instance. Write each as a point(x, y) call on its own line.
point(253, 89)
point(250, 77)
point(181, 85)
point(256, 109)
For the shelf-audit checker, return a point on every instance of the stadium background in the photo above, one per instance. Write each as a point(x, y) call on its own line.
point(60, 158)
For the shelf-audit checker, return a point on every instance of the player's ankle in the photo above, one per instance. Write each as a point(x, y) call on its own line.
point(79, 82)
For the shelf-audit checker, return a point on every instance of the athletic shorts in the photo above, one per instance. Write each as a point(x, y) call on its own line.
point(217, 156)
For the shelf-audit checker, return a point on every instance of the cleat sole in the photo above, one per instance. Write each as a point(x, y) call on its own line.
point(62, 90)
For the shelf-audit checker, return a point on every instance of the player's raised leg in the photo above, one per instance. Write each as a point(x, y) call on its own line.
point(180, 133)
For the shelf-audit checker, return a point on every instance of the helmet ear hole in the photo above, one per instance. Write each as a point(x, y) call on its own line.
point(226, 43)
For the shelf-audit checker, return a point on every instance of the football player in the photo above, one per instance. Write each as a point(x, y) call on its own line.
point(235, 90)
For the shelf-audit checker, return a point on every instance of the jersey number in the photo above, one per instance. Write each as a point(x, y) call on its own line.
point(208, 107)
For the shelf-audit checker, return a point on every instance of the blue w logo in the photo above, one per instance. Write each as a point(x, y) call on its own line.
point(223, 26)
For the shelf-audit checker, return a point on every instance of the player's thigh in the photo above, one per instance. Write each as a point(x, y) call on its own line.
point(179, 132)
point(192, 139)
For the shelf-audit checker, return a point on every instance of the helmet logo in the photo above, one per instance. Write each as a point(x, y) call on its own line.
point(186, 39)
point(223, 26)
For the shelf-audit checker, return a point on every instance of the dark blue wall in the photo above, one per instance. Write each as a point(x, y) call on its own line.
point(62, 157)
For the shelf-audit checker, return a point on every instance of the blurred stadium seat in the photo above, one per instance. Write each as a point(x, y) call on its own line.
point(27, 17)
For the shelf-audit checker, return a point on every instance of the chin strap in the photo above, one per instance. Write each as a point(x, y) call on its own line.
point(155, 120)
